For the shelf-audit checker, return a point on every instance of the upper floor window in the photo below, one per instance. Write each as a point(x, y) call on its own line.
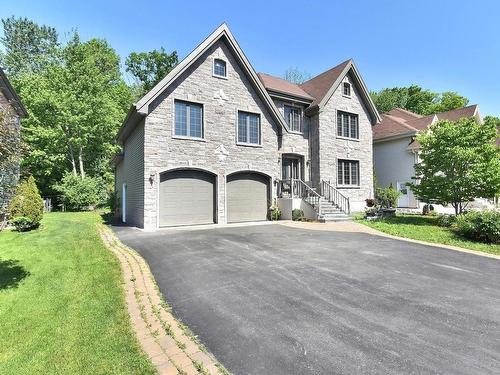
point(346, 87)
point(293, 117)
point(347, 125)
point(248, 128)
point(348, 172)
point(188, 119)
point(220, 68)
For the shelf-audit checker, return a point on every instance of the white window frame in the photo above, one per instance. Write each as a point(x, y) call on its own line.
point(350, 185)
point(350, 89)
point(188, 114)
point(349, 138)
point(259, 116)
point(213, 67)
point(300, 131)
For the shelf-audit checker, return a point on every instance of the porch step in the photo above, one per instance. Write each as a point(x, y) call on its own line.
point(329, 218)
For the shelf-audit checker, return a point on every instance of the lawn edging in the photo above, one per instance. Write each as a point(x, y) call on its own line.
point(435, 244)
point(172, 348)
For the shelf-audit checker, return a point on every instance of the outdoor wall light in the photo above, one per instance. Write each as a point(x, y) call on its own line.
point(152, 178)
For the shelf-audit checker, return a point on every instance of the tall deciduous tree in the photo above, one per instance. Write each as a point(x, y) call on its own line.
point(150, 67)
point(27, 45)
point(295, 75)
point(76, 106)
point(418, 100)
point(459, 162)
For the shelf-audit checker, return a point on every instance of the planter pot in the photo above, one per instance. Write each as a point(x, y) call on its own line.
point(388, 212)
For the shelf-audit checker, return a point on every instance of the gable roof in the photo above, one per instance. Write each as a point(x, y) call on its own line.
point(402, 123)
point(11, 95)
point(324, 85)
point(282, 86)
point(141, 108)
point(319, 86)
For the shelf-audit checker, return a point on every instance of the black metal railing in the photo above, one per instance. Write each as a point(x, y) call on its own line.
point(295, 188)
point(336, 197)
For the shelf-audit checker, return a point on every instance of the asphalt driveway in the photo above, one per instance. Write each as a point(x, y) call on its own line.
point(271, 299)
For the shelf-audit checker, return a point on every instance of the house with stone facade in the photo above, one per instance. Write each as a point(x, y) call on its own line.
point(11, 109)
point(215, 142)
point(396, 150)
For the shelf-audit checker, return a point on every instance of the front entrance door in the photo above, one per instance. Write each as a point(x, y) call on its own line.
point(291, 168)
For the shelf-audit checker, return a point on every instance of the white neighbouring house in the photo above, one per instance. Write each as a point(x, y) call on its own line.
point(215, 142)
point(396, 150)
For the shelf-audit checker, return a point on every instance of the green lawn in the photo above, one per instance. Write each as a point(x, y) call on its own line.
point(424, 228)
point(62, 309)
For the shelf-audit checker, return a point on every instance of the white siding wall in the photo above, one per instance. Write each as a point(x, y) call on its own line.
point(393, 163)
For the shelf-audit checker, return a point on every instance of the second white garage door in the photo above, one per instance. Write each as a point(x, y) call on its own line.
point(247, 197)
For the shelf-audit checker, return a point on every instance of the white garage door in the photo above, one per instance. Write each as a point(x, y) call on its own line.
point(247, 197)
point(187, 198)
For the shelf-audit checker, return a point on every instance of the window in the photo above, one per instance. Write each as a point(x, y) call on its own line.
point(293, 118)
point(248, 128)
point(219, 68)
point(348, 172)
point(347, 125)
point(346, 89)
point(188, 119)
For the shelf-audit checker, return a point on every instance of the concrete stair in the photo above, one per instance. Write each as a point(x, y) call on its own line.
point(329, 212)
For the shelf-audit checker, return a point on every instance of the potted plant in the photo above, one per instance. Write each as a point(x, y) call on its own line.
point(370, 202)
point(388, 198)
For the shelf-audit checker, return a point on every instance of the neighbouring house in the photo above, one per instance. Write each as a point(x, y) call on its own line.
point(396, 150)
point(215, 142)
point(12, 110)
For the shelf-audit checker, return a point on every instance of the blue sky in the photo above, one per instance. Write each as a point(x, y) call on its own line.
point(441, 45)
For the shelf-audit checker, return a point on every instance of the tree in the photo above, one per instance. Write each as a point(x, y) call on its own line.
point(27, 45)
point(296, 76)
point(26, 207)
point(447, 101)
point(459, 162)
point(76, 106)
point(150, 67)
point(418, 100)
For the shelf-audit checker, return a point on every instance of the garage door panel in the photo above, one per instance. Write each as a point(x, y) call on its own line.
point(247, 197)
point(186, 198)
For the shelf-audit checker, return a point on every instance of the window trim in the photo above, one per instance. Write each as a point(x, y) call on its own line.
point(350, 89)
point(248, 144)
point(349, 186)
point(188, 137)
point(301, 122)
point(215, 58)
point(337, 112)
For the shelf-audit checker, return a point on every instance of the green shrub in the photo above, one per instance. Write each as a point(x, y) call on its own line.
point(274, 212)
point(481, 226)
point(26, 206)
point(80, 194)
point(388, 197)
point(297, 214)
point(446, 221)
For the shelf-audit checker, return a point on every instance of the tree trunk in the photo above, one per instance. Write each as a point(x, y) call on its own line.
point(80, 161)
point(72, 159)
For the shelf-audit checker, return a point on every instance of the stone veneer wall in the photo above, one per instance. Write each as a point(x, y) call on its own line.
point(333, 148)
point(218, 151)
point(296, 143)
point(11, 173)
